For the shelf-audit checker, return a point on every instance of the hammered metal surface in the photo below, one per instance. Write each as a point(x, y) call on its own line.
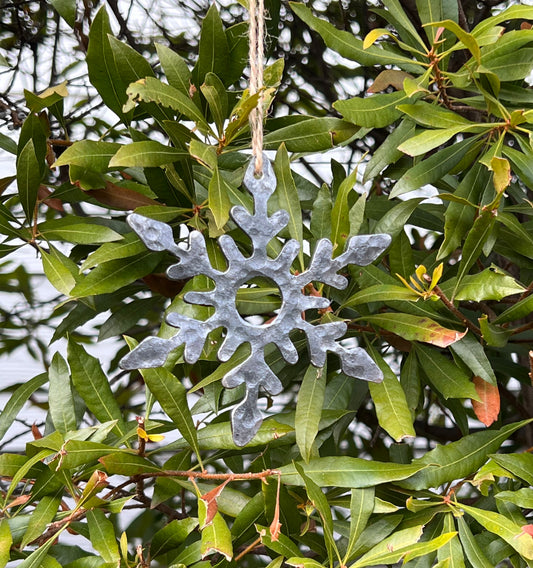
point(254, 371)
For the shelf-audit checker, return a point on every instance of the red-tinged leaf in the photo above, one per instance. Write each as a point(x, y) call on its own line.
point(527, 529)
point(415, 328)
point(52, 202)
point(488, 407)
point(210, 500)
point(120, 197)
point(20, 500)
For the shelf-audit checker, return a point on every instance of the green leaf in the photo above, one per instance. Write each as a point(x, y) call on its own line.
point(39, 557)
point(376, 111)
point(494, 335)
point(43, 514)
point(28, 179)
point(216, 536)
point(92, 385)
point(391, 549)
point(8, 144)
point(347, 45)
point(171, 535)
point(476, 239)
point(148, 153)
point(219, 437)
point(115, 274)
point(6, 540)
point(448, 378)
point(459, 216)
point(172, 396)
point(102, 533)
point(57, 272)
point(130, 245)
point(511, 66)
point(283, 545)
point(381, 293)
point(309, 409)
point(153, 90)
point(520, 465)
point(361, 507)
point(320, 502)
point(473, 551)
point(288, 199)
point(432, 169)
point(217, 98)
point(130, 64)
point(434, 115)
point(213, 56)
point(66, 9)
point(429, 140)
point(471, 352)
point(175, 68)
point(90, 154)
point(487, 285)
point(218, 196)
point(388, 152)
point(504, 528)
point(76, 230)
point(125, 463)
point(389, 399)
point(414, 328)
point(103, 70)
point(460, 459)
point(340, 219)
point(60, 396)
point(344, 471)
point(522, 498)
point(516, 311)
point(47, 99)
point(311, 135)
point(18, 399)
point(395, 219)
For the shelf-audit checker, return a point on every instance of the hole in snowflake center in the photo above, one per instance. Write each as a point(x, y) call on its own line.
point(258, 300)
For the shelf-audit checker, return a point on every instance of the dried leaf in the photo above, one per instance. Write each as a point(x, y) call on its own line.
point(275, 525)
point(488, 407)
point(210, 499)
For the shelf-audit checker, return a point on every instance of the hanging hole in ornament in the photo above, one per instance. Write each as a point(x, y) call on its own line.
point(258, 300)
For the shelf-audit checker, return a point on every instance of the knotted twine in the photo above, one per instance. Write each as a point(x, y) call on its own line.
point(256, 55)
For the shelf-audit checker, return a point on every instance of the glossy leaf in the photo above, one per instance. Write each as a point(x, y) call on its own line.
point(148, 153)
point(415, 328)
point(17, 401)
point(288, 199)
point(458, 459)
point(102, 535)
point(218, 195)
point(344, 471)
point(471, 352)
point(62, 408)
point(309, 409)
point(92, 385)
point(28, 178)
point(376, 111)
point(389, 399)
point(504, 528)
point(172, 396)
point(449, 379)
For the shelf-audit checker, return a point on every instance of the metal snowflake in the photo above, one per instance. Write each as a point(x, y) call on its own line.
point(254, 371)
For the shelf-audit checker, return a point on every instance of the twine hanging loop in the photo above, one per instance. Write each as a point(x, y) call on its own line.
point(256, 57)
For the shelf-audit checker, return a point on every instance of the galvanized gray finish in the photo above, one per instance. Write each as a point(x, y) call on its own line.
point(254, 371)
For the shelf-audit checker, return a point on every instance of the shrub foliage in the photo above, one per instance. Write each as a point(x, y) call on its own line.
point(140, 468)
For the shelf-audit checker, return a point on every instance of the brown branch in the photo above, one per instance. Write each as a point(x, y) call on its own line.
point(212, 476)
point(471, 326)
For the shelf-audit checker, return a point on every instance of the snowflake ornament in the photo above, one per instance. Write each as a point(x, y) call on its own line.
point(254, 371)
